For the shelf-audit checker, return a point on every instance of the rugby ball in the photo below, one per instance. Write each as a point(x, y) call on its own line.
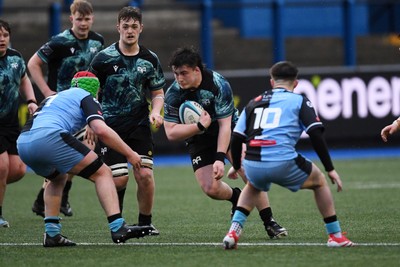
point(189, 112)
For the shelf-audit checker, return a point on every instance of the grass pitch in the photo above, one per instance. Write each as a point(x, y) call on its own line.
point(192, 226)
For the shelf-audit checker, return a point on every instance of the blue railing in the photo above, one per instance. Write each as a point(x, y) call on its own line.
point(279, 32)
point(278, 20)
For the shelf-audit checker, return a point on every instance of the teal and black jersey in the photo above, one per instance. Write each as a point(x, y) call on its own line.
point(65, 55)
point(12, 69)
point(214, 94)
point(125, 83)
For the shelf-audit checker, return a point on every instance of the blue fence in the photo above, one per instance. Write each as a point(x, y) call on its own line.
point(280, 19)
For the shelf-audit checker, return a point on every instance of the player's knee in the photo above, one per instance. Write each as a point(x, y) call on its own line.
point(144, 177)
point(315, 180)
point(212, 194)
point(16, 173)
point(16, 177)
point(211, 190)
point(320, 181)
point(121, 182)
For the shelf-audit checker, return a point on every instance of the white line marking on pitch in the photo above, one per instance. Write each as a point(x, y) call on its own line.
point(357, 185)
point(209, 244)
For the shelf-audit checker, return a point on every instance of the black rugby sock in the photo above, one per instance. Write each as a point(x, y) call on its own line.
point(40, 197)
point(235, 196)
point(66, 189)
point(121, 195)
point(266, 215)
point(144, 219)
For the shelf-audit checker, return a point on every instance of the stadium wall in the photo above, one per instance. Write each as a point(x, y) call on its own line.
point(305, 18)
point(353, 103)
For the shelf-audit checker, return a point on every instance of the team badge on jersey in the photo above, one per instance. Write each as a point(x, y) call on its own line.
point(196, 160)
point(141, 69)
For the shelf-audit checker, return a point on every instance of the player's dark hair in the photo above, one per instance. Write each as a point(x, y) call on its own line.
point(186, 56)
point(284, 70)
point(83, 7)
point(5, 26)
point(129, 12)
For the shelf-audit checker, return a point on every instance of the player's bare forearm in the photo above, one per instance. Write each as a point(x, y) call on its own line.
point(224, 135)
point(180, 132)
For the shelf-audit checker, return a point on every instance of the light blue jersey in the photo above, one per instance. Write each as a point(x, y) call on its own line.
point(46, 143)
point(60, 112)
point(273, 122)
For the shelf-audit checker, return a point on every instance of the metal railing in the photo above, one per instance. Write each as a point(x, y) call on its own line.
point(207, 9)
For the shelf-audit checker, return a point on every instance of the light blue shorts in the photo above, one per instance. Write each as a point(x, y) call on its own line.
point(290, 174)
point(47, 151)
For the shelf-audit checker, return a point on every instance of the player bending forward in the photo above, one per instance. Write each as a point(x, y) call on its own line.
point(47, 146)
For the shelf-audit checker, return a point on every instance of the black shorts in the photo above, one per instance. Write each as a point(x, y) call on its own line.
point(8, 140)
point(140, 140)
point(202, 150)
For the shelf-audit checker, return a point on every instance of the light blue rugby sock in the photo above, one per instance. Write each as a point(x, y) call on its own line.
point(116, 224)
point(333, 227)
point(52, 228)
point(239, 217)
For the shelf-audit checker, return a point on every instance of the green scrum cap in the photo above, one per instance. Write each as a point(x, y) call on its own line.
point(87, 81)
